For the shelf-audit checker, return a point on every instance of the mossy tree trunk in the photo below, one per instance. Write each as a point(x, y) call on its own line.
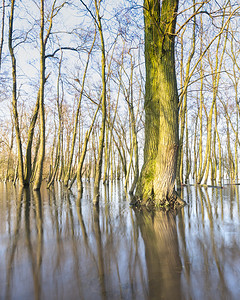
point(161, 104)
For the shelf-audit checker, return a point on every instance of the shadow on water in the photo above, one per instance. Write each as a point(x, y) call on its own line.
point(56, 245)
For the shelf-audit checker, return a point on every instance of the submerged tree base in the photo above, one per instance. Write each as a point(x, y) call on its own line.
point(173, 202)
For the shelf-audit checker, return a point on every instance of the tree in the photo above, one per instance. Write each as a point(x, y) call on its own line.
point(43, 42)
point(98, 172)
point(2, 31)
point(156, 183)
point(69, 167)
point(14, 96)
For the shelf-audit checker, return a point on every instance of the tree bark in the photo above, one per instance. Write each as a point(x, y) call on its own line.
point(2, 31)
point(103, 99)
point(41, 155)
point(14, 97)
point(161, 104)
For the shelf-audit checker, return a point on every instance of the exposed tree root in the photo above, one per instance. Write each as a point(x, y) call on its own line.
point(172, 203)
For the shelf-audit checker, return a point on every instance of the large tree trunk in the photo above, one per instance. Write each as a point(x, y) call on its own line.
point(161, 104)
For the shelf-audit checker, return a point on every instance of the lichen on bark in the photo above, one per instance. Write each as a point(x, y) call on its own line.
point(156, 185)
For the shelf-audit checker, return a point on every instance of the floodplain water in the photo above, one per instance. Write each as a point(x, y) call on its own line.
point(54, 245)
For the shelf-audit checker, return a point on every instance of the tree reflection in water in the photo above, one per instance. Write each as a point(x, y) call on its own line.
point(160, 238)
point(54, 245)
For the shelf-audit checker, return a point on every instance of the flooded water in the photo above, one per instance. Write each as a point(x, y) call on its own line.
point(54, 245)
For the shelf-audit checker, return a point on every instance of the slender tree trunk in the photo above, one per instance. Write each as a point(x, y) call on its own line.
point(103, 99)
point(14, 97)
point(59, 108)
point(195, 149)
point(41, 154)
point(69, 167)
point(10, 158)
point(83, 155)
point(134, 134)
point(199, 176)
point(2, 31)
point(106, 156)
point(179, 175)
point(188, 160)
point(28, 161)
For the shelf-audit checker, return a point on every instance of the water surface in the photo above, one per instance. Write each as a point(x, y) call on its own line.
point(54, 245)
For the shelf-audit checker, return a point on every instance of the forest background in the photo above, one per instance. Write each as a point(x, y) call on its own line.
point(52, 117)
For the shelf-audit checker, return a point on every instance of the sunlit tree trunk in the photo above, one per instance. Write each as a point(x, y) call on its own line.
point(161, 104)
point(230, 156)
point(69, 166)
point(41, 154)
point(2, 31)
point(60, 129)
point(183, 101)
point(28, 161)
point(108, 141)
point(44, 36)
point(103, 99)
point(134, 133)
point(14, 97)
point(188, 154)
point(236, 151)
point(199, 176)
point(106, 156)
point(122, 156)
point(83, 155)
point(195, 147)
point(235, 80)
point(10, 156)
point(34, 164)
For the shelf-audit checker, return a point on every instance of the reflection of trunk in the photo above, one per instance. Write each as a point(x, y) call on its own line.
point(75, 253)
point(159, 234)
point(205, 199)
point(97, 232)
point(13, 244)
point(35, 266)
point(38, 258)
